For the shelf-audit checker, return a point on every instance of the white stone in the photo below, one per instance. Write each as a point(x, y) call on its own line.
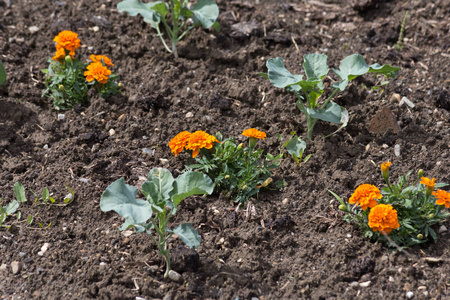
point(397, 150)
point(189, 115)
point(112, 132)
point(409, 295)
point(174, 275)
point(16, 267)
point(407, 102)
point(33, 29)
point(364, 284)
point(61, 117)
point(442, 229)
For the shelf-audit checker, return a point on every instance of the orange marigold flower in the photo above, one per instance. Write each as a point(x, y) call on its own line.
point(385, 166)
point(200, 139)
point(98, 72)
point(68, 40)
point(365, 195)
point(254, 133)
point(442, 198)
point(429, 183)
point(178, 143)
point(98, 58)
point(60, 54)
point(383, 217)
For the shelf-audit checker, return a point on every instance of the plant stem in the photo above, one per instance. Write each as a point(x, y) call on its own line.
point(329, 98)
point(162, 39)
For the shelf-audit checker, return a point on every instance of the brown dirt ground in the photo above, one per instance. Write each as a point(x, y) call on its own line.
point(289, 244)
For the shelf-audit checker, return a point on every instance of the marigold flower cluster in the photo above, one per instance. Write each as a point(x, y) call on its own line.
point(97, 71)
point(192, 141)
point(383, 217)
point(254, 133)
point(66, 40)
point(365, 195)
point(442, 198)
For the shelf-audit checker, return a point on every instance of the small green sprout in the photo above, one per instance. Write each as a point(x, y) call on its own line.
point(2, 73)
point(399, 44)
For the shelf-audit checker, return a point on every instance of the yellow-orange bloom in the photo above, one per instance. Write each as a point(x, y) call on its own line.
point(178, 143)
point(383, 217)
point(254, 133)
point(198, 140)
point(442, 198)
point(429, 183)
point(365, 195)
point(60, 54)
point(385, 166)
point(98, 72)
point(68, 40)
point(98, 58)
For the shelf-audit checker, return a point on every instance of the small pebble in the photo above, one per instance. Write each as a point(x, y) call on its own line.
point(442, 229)
point(16, 267)
point(168, 297)
point(33, 29)
point(354, 284)
point(95, 28)
point(189, 115)
point(102, 263)
point(285, 201)
point(407, 102)
point(3, 268)
point(45, 147)
point(364, 284)
point(147, 151)
point(174, 275)
point(22, 254)
point(112, 132)
point(61, 117)
point(397, 150)
point(409, 295)
point(84, 180)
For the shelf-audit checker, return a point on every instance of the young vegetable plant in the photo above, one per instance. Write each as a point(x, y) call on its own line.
point(295, 147)
point(401, 214)
point(162, 194)
point(309, 90)
point(203, 12)
point(11, 208)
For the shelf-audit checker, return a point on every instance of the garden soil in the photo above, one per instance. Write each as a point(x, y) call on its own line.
point(286, 244)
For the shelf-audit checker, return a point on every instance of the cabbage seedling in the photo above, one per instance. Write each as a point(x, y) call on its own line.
point(203, 12)
point(310, 89)
point(162, 194)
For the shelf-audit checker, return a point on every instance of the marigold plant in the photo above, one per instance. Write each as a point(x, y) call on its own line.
point(239, 172)
point(407, 211)
point(69, 79)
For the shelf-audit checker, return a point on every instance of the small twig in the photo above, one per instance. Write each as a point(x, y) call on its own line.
point(397, 246)
point(295, 44)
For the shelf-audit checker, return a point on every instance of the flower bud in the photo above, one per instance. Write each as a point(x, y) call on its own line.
point(61, 88)
point(120, 85)
point(267, 182)
point(420, 236)
point(343, 207)
point(227, 176)
point(244, 187)
point(430, 216)
point(68, 59)
point(420, 173)
point(240, 146)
